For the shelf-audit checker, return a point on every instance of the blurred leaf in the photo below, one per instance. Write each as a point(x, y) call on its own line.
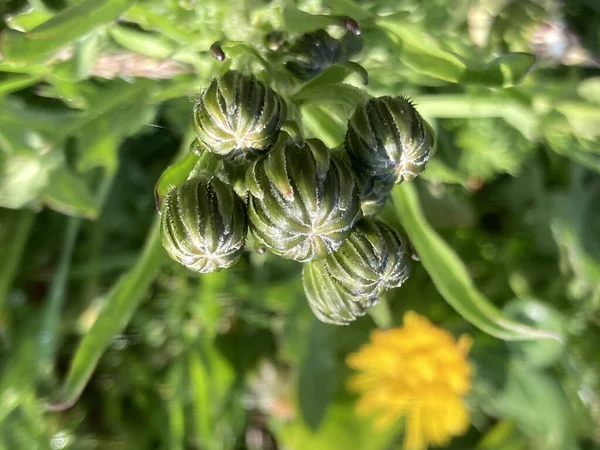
point(23, 177)
point(450, 275)
point(536, 354)
point(175, 406)
point(476, 106)
point(537, 403)
point(61, 29)
point(503, 436)
point(27, 20)
point(14, 83)
point(315, 385)
point(143, 43)
point(120, 304)
point(576, 226)
point(345, 98)
point(505, 71)
point(87, 50)
point(297, 21)
point(68, 194)
point(341, 428)
point(422, 53)
point(589, 89)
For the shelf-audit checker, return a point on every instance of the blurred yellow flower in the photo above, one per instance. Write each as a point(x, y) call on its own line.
point(418, 371)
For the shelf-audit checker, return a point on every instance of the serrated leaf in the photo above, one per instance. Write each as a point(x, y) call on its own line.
point(450, 275)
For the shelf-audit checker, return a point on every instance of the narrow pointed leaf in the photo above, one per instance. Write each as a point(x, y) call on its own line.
point(450, 275)
point(120, 305)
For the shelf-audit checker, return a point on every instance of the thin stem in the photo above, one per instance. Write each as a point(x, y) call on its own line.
point(18, 224)
point(56, 296)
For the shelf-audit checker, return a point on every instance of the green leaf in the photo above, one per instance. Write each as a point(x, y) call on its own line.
point(450, 275)
point(14, 83)
point(61, 29)
point(297, 21)
point(344, 98)
point(142, 43)
point(505, 71)
point(174, 175)
point(315, 385)
point(589, 89)
point(87, 50)
point(120, 305)
point(423, 54)
point(537, 403)
point(341, 429)
point(27, 20)
point(68, 194)
point(536, 354)
point(23, 177)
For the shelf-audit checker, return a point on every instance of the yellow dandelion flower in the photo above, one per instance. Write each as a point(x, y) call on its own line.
point(420, 372)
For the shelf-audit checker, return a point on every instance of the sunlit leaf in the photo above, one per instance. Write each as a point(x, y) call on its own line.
point(61, 29)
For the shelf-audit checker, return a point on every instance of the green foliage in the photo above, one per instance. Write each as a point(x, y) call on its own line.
point(107, 343)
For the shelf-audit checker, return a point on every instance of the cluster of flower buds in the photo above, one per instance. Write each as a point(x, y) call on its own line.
point(299, 199)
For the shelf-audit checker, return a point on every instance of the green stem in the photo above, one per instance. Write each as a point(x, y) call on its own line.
point(56, 297)
point(92, 285)
point(13, 239)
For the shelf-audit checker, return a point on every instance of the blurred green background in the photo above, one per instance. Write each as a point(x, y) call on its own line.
point(105, 343)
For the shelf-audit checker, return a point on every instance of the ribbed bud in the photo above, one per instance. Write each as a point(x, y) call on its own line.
point(238, 114)
point(341, 287)
point(314, 52)
point(304, 202)
point(387, 137)
point(204, 225)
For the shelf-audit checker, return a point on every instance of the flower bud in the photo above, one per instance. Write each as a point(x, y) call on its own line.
point(304, 202)
point(238, 114)
point(314, 52)
point(341, 286)
point(387, 137)
point(204, 225)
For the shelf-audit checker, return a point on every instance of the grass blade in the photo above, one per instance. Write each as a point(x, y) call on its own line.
point(120, 306)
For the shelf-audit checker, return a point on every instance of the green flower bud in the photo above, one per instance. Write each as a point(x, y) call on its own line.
point(314, 52)
point(387, 137)
point(341, 286)
point(304, 202)
point(237, 114)
point(204, 225)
